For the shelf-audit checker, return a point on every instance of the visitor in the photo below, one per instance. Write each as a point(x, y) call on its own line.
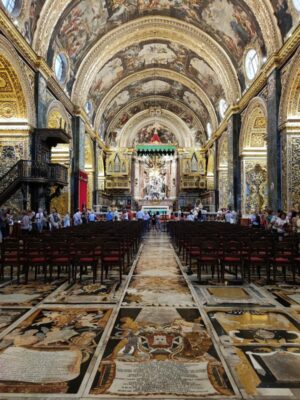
point(140, 215)
point(190, 217)
point(281, 224)
point(67, 221)
point(147, 219)
point(125, 215)
point(77, 220)
point(255, 220)
point(116, 215)
point(39, 220)
point(228, 216)
point(54, 220)
point(109, 216)
point(25, 223)
point(84, 216)
point(157, 222)
point(92, 216)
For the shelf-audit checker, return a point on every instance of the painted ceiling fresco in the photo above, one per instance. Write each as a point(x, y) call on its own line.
point(161, 86)
point(161, 54)
point(188, 117)
point(229, 22)
point(27, 20)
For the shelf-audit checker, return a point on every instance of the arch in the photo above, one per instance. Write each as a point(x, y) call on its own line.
point(254, 127)
point(253, 150)
point(57, 116)
point(156, 28)
point(290, 99)
point(140, 120)
point(161, 73)
point(19, 88)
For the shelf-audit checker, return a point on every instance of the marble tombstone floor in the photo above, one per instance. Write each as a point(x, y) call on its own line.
point(159, 335)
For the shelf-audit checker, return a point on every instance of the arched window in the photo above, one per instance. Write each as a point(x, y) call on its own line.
point(251, 64)
point(209, 130)
point(117, 164)
point(297, 4)
point(61, 67)
point(223, 107)
point(13, 7)
point(89, 108)
point(194, 163)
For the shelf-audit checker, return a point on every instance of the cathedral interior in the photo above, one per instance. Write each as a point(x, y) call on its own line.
point(160, 105)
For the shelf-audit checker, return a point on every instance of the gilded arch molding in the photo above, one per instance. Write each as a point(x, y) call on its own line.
point(254, 126)
point(159, 73)
point(9, 53)
point(156, 28)
point(290, 100)
point(56, 106)
point(47, 22)
point(140, 120)
point(159, 99)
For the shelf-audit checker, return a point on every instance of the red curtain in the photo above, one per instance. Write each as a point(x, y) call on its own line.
point(83, 189)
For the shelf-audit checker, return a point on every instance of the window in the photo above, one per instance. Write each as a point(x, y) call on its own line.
point(13, 7)
point(251, 64)
point(297, 4)
point(209, 130)
point(222, 107)
point(60, 67)
point(88, 107)
point(194, 163)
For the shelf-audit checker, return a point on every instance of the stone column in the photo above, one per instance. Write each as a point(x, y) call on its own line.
point(95, 176)
point(216, 175)
point(273, 142)
point(77, 159)
point(234, 164)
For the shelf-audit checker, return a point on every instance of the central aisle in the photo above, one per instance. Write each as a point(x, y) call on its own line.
point(159, 344)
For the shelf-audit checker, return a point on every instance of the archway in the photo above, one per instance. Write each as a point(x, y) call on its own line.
point(290, 136)
point(57, 117)
point(16, 116)
point(253, 153)
point(223, 171)
point(89, 167)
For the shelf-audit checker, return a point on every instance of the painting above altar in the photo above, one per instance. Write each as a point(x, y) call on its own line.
point(155, 133)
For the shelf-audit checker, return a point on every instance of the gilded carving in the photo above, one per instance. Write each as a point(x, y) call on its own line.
point(293, 172)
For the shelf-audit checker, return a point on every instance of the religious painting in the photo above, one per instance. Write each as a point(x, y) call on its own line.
point(230, 22)
point(266, 372)
point(151, 54)
point(53, 347)
point(155, 132)
point(27, 21)
point(153, 290)
point(156, 87)
point(26, 295)
point(231, 296)
point(169, 347)
point(287, 16)
point(254, 326)
point(10, 315)
point(286, 295)
point(88, 292)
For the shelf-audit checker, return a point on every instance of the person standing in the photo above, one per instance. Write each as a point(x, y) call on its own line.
point(77, 218)
point(91, 216)
point(157, 222)
point(39, 220)
point(25, 223)
point(67, 220)
point(55, 220)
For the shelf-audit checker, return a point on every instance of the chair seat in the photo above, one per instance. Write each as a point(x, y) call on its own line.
point(86, 259)
point(256, 259)
point(38, 259)
point(60, 260)
point(232, 259)
point(207, 258)
point(111, 258)
point(279, 260)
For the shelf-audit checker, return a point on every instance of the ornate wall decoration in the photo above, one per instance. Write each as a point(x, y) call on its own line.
point(255, 193)
point(15, 86)
point(293, 172)
point(12, 149)
point(289, 104)
point(223, 182)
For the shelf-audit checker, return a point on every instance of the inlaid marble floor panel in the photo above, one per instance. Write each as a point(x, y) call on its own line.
point(158, 335)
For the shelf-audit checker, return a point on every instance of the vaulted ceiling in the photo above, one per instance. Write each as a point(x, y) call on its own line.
point(184, 56)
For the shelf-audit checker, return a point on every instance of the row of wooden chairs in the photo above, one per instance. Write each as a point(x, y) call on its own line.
point(75, 250)
point(235, 249)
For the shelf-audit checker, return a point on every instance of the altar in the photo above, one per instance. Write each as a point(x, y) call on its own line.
point(164, 207)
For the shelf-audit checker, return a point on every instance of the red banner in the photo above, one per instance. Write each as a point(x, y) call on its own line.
point(83, 190)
